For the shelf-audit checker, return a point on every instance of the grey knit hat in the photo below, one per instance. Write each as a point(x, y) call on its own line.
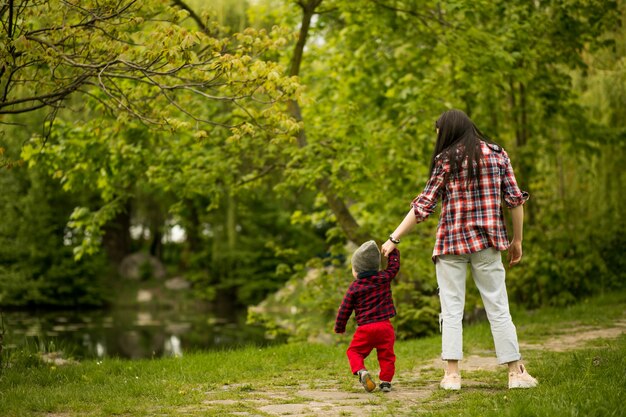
point(366, 257)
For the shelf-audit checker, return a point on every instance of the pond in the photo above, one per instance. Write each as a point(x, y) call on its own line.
point(127, 333)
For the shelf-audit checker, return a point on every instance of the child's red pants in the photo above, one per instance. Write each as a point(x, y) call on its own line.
point(379, 336)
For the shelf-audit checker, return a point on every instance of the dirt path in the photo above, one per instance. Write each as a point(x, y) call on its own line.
point(411, 390)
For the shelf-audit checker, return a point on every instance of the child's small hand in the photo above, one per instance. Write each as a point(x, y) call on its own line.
point(387, 247)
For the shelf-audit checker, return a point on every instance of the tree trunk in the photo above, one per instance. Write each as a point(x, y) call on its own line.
point(156, 247)
point(514, 112)
point(346, 221)
point(231, 223)
point(194, 241)
point(339, 208)
point(116, 240)
point(492, 99)
point(225, 261)
point(523, 115)
point(520, 123)
point(157, 222)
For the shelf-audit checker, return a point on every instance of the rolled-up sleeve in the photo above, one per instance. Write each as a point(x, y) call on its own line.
point(511, 192)
point(425, 203)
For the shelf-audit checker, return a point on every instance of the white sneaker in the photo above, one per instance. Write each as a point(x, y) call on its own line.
point(451, 381)
point(521, 379)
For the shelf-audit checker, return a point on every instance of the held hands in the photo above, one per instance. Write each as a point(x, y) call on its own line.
point(387, 247)
point(515, 252)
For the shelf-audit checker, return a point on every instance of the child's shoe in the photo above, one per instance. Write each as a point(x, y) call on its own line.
point(521, 379)
point(366, 380)
point(451, 381)
point(385, 386)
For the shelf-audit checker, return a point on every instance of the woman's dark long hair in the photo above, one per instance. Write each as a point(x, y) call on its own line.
point(459, 139)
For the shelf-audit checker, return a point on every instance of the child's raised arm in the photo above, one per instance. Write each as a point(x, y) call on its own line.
point(393, 265)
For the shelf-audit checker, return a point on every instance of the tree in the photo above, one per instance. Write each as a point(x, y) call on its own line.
point(381, 74)
point(335, 202)
point(37, 266)
point(135, 54)
point(137, 64)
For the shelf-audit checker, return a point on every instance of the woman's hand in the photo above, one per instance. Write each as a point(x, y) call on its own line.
point(387, 247)
point(404, 227)
point(515, 252)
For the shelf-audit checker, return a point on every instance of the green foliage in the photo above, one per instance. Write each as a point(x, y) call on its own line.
point(189, 119)
point(418, 313)
point(35, 248)
point(306, 307)
point(378, 75)
point(165, 109)
point(36, 260)
point(136, 71)
point(3, 360)
point(249, 247)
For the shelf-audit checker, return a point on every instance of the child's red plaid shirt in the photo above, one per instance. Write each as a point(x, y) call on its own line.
point(370, 296)
point(471, 216)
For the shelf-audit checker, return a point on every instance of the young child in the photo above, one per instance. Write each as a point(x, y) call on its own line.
point(369, 296)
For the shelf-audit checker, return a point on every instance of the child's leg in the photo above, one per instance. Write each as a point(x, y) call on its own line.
point(489, 274)
point(359, 349)
point(384, 350)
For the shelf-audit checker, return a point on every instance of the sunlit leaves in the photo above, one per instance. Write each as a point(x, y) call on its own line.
point(173, 105)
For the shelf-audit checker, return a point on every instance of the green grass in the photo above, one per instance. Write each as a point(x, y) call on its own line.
point(588, 381)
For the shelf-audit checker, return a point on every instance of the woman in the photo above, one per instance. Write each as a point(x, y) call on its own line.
point(471, 175)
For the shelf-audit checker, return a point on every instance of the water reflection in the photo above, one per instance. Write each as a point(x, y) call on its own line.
point(127, 333)
point(172, 347)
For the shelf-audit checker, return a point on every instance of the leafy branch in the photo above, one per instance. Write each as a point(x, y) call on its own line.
point(131, 57)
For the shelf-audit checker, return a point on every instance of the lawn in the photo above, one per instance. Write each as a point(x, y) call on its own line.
point(577, 353)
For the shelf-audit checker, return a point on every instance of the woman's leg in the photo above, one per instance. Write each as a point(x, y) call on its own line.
point(489, 276)
point(451, 276)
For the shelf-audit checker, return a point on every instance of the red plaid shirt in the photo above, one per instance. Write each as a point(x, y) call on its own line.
point(471, 216)
point(370, 296)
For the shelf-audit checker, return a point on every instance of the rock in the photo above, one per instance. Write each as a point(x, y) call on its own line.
point(144, 296)
point(177, 328)
point(323, 338)
point(177, 284)
point(141, 266)
point(56, 359)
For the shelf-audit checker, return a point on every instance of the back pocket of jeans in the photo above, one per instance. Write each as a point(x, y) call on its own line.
point(487, 256)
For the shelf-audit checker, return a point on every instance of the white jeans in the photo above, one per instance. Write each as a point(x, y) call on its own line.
point(488, 273)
